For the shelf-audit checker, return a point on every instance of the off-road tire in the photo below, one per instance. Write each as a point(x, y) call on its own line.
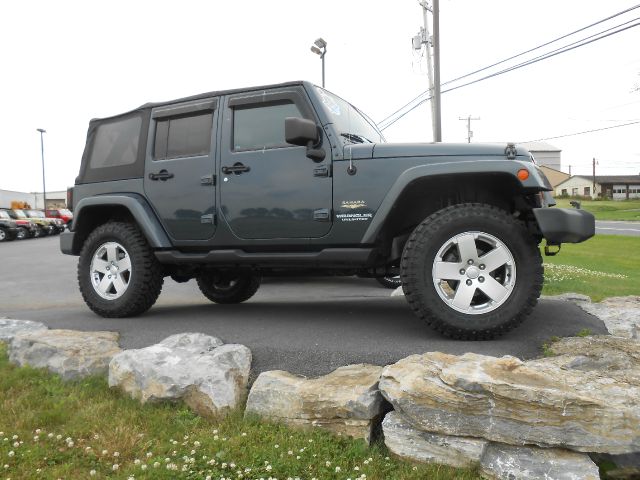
point(146, 278)
point(420, 252)
point(389, 281)
point(245, 287)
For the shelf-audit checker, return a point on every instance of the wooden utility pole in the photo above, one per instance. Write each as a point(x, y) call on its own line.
point(436, 70)
point(468, 120)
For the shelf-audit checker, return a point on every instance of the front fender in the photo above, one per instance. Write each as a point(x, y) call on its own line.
point(536, 182)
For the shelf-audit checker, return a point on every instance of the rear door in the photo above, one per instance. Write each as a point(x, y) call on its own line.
point(179, 170)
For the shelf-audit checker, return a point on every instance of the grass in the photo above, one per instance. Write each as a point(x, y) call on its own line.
point(628, 210)
point(68, 430)
point(603, 266)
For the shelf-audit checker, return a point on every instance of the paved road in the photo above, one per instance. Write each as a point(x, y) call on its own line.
point(631, 229)
point(306, 326)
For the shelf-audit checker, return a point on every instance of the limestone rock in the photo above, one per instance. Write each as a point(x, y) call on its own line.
point(345, 401)
point(208, 376)
point(406, 441)
point(568, 297)
point(69, 353)
point(531, 463)
point(9, 328)
point(509, 401)
point(621, 315)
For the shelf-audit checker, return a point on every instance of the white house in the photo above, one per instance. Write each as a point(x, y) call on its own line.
point(617, 187)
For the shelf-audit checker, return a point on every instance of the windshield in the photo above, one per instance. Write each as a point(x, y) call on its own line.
point(352, 125)
point(4, 215)
point(19, 214)
point(35, 214)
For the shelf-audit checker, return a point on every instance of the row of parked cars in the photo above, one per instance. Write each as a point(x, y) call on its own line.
point(21, 224)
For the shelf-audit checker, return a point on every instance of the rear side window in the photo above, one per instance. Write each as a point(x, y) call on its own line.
point(116, 143)
point(258, 127)
point(183, 136)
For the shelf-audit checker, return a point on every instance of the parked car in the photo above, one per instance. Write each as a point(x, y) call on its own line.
point(56, 223)
point(43, 226)
point(8, 227)
point(291, 179)
point(26, 229)
point(62, 213)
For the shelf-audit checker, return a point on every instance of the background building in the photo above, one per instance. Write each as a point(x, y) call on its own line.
point(34, 199)
point(556, 177)
point(617, 187)
point(545, 154)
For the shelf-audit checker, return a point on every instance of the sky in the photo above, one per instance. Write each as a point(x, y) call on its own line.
point(65, 62)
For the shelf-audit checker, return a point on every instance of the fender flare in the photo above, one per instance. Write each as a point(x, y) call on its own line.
point(140, 210)
point(536, 182)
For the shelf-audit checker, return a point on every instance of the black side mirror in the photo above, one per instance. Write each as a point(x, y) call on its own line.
point(303, 132)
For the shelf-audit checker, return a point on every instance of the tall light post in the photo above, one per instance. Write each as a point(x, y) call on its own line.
point(44, 187)
point(320, 48)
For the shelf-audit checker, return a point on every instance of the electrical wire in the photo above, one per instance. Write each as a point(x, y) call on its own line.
point(512, 57)
point(545, 56)
point(583, 132)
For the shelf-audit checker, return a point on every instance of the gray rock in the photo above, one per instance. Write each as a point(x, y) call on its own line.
point(208, 376)
point(621, 315)
point(505, 400)
point(406, 441)
point(568, 297)
point(507, 462)
point(69, 353)
point(346, 401)
point(9, 328)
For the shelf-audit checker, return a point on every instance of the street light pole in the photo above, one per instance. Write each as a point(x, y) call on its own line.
point(436, 70)
point(44, 187)
point(319, 47)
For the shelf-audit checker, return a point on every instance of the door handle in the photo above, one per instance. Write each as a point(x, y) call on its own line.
point(161, 175)
point(236, 168)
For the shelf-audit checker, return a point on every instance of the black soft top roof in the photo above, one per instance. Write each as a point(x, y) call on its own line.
point(150, 105)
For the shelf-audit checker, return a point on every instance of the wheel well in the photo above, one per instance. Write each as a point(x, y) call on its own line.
point(427, 195)
point(95, 215)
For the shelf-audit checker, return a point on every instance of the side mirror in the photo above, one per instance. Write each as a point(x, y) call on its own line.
point(300, 131)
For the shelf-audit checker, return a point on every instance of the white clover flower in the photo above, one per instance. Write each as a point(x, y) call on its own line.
point(12, 453)
point(115, 467)
point(49, 435)
point(298, 457)
point(186, 437)
point(6, 466)
point(338, 469)
point(276, 446)
point(15, 437)
point(244, 434)
point(137, 461)
point(96, 436)
point(167, 460)
point(87, 449)
point(92, 473)
point(105, 452)
point(356, 468)
point(215, 431)
point(70, 444)
point(143, 467)
point(268, 468)
point(156, 464)
point(327, 463)
point(193, 452)
point(208, 477)
point(311, 440)
point(224, 465)
point(290, 452)
point(116, 454)
point(215, 437)
point(149, 454)
point(232, 465)
point(16, 444)
point(131, 477)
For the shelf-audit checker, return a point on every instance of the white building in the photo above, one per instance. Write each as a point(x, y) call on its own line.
point(545, 154)
point(616, 187)
point(57, 199)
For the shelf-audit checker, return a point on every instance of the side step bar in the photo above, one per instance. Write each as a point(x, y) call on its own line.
point(329, 257)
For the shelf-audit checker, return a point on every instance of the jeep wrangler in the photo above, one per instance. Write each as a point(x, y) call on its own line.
point(230, 186)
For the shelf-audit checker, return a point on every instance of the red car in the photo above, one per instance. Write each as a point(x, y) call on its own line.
point(62, 213)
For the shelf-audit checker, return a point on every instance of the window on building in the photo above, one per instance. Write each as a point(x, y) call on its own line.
point(564, 191)
point(183, 136)
point(255, 128)
point(587, 191)
point(574, 191)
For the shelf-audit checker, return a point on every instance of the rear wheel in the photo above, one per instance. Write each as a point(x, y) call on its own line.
point(22, 233)
point(118, 273)
point(472, 271)
point(228, 287)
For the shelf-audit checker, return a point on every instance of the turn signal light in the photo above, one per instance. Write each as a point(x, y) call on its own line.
point(523, 174)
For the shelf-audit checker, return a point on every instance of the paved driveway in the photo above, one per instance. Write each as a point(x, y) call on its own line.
point(630, 229)
point(306, 326)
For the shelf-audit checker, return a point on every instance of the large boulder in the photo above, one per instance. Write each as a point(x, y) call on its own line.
point(621, 315)
point(346, 401)
point(548, 402)
point(9, 328)
point(199, 369)
point(69, 353)
point(406, 441)
point(531, 463)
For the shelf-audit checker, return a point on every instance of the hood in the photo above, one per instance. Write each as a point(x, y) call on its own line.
point(394, 150)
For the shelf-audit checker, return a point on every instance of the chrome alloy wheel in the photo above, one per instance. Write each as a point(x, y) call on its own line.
point(110, 270)
point(474, 273)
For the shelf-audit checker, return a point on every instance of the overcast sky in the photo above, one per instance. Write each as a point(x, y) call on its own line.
point(65, 62)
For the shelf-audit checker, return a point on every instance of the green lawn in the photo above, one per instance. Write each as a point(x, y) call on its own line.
point(53, 429)
point(608, 209)
point(603, 266)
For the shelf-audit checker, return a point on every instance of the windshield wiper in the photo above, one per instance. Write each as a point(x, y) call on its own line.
point(353, 138)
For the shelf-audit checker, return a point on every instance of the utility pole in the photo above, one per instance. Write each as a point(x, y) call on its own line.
point(436, 69)
point(569, 170)
point(44, 188)
point(468, 120)
point(594, 178)
point(424, 38)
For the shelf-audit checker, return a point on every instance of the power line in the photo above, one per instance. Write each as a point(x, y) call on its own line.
point(546, 56)
point(582, 133)
point(512, 57)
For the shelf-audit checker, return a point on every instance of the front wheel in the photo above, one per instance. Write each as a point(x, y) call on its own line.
point(472, 271)
point(22, 233)
point(118, 273)
point(228, 287)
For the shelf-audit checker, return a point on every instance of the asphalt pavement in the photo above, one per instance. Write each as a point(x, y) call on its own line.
point(307, 326)
point(606, 227)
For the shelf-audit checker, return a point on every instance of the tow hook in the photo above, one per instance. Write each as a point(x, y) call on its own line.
point(575, 204)
point(551, 253)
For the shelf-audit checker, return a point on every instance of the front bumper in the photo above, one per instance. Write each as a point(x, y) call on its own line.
point(565, 225)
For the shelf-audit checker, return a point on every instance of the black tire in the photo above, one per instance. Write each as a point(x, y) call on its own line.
point(431, 237)
point(390, 281)
point(39, 232)
point(146, 277)
point(228, 287)
point(22, 233)
point(4, 235)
